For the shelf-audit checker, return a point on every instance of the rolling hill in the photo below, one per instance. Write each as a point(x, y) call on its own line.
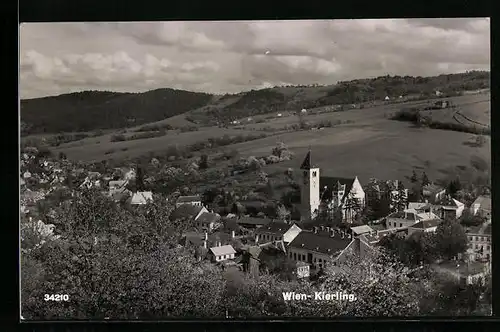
point(93, 110)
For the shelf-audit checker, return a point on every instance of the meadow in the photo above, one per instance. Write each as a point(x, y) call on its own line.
point(369, 145)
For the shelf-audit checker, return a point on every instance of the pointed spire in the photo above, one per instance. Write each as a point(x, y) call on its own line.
point(306, 164)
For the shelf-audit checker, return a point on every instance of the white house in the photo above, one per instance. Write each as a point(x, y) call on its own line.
point(222, 253)
point(279, 115)
point(387, 98)
point(482, 206)
point(194, 200)
point(302, 270)
point(425, 226)
point(303, 111)
point(141, 198)
point(438, 93)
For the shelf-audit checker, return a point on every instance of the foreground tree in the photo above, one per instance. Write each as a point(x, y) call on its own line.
point(380, 283)
point(451, 239)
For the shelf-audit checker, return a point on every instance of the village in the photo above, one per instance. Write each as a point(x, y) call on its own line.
point(332, 223)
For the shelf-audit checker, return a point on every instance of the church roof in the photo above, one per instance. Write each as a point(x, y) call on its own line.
point(306, 164)
point(334, 183)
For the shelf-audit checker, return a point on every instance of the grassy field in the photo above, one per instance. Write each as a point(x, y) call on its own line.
point(371, 145)
point(95, 148)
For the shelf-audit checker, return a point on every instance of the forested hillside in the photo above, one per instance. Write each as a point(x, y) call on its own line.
point(91, 110)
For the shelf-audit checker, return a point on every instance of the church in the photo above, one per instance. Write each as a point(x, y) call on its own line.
point(330, 195)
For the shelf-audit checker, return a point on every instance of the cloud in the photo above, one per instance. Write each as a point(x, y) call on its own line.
point(223, 57)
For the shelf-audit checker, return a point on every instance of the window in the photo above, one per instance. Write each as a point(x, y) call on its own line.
point(314, 174)
point(304, 258)
point(400, 224)
point(294, 256)
point(487, 247)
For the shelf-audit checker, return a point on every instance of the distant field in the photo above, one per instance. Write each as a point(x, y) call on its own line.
point(371, 146)
point(473, 113)
point(95, 148)
point(386, 150)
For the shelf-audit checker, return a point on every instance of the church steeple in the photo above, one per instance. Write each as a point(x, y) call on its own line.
point(306, 164)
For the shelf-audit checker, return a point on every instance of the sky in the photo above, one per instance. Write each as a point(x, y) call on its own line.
point(230, 57)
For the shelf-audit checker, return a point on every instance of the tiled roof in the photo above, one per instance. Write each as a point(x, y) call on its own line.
point(424, 224)
point(223, 250)
point(185, 211)
point(189, 199)
point(208, 217)
point(253, 221)
point(320, 243)
point(275, 227)
point(418, 206)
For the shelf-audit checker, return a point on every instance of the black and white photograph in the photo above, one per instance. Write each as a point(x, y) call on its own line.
point(231, 170)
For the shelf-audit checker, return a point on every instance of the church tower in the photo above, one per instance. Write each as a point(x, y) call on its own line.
point(309, 193)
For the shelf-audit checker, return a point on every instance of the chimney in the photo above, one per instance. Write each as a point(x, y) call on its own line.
point(219, 244)
point(257, 238)
point(332, 233)
point(232, 234)
point(205, 244)
point(315, 229)
point(322, 227)
point(206, 236)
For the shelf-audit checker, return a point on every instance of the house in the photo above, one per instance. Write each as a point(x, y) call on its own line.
point(276, 231)
point(303, 111)
point(433, 193)
point(27, 175)
point(387, 98)
point(187, 212)
point(402, 219)
point(91, 180)
point(302, 270)
point(192, 200)
point(424, 226)
point(481, 207)
point(318, 248)
point(360, 230)
point(252, 223)
point(206, 240)
point(207, 220)
point(465, 272)
point(438, 93)
point(140, 198)
point(450, 208)
point(480, 241)
point(279, 115)
point(221, 253)
point(116, 187)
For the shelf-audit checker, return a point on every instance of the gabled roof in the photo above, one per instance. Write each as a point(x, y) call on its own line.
point(185, 211)
point(223, 250)
point(426, 216)
point(253, 221)
point(141, 197)
point(418, 206)
point(275, 227)
point(449, 202)
point(484, 202)
point(189, 199)
point(425, 224)
point(208, 217)
point(320, 243)
point(333, 184)
point(361, 229)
